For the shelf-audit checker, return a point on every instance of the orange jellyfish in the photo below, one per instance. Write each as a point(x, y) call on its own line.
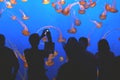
point(24, 15)
point(92, 4)
point(107, 7)
point(1, 0)
point(66, 11)
point(103, 15)
point(113, 9)
point(53, 4)
point(50, 61)
point(13, 1)
point(77, 22)
point(82, 2)
point(82, 9)
point(55, 53)
point(24, 0)
point(72, 30)
point(8, 4)
point(86, 6)
point(59, 10)
point(25, 29)
point(62, 2)
point(44, 39)
point(14, 17)
point(98, 24)
point(45, 1)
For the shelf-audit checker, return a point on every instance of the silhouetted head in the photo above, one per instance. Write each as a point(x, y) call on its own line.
point(34, 40)
point(103, 45)
point(72, 48)
point(83, 43)
point(2, 40)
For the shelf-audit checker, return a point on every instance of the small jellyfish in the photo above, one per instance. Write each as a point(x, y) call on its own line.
point(61, 39)
point(103, 15)
point(25, 32)
point(92, 4)
point(24, 15)
point(113, 8)
point(49, 62)
point(8, 4)
point(58, 8)
point(82, 2)
point(14, 17)
point(77, 22)
point(82, 9)
point(24, 0)
point(61, 58)
point(86, 6)
point(62, 2)
point(72, 30)
point(13, 1)
point(1, 0)
point(45, 1)
point(55, 53)
point(66, 11)
point(98, 24)
point(53, 4)
point(107, 7)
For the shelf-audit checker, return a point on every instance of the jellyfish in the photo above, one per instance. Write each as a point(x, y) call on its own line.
point(82, 2)
point(44, 39)
point(66, 11)
point(82, 9)
point(14, 17)
point(59, 9)
point(24, 15)
point(98, 24)
point(72, 30)
point(86, 6)
point(103, 15)
point(13, 1)
point(24, 0)
point(92, 4)
point(61, 58)
point(45, 1)
point(113, 8)
point(8, 4)
point(50, 61)
point(53, 4)
point(55, 53)
point(1, 0)
point(107, 7)
point(25, 31)
point(62, 2)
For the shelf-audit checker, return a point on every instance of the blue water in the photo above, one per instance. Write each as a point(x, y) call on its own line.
point(45, 15)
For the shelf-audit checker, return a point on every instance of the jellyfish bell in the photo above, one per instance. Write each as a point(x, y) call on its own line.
point(113, 10)
point(81, 11)
point(77, 22)
point(66, 11)
point(72, 30)
point(107, 7)
point(62, 2)
point(53, 4)
point(25, 32)
point(24, 0)
point(82, 2)
point(14, 17)
point(8, 4)
point(13, 1)
point(61, 58)
point(1, 0)
point(103, 16)
point(49, 62)
point(60, 39)
point(93, 4)
point(25, 17)
point(45, 1)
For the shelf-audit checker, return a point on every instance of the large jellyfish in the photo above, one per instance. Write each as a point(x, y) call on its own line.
point(113, 7)
point(103, 15)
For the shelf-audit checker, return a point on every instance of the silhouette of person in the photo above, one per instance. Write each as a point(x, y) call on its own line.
point(87, 60)
point(70, 70)
point(35, 57)
point(9, 64)
point(105, 60)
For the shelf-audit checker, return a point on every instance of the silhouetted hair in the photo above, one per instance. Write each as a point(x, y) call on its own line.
point(103, 45)
point(83, 42)
point(2, 40)
point(34, 39)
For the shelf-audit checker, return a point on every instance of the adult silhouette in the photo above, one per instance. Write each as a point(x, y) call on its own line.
point(70, 70)
point(105, 60)
point(9, 64)
point(35, 57)
point(87, 60)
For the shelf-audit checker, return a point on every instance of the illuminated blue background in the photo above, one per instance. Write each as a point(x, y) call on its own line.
point(44, 15)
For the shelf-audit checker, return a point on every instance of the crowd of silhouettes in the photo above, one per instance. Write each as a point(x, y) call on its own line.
point(81, 65)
